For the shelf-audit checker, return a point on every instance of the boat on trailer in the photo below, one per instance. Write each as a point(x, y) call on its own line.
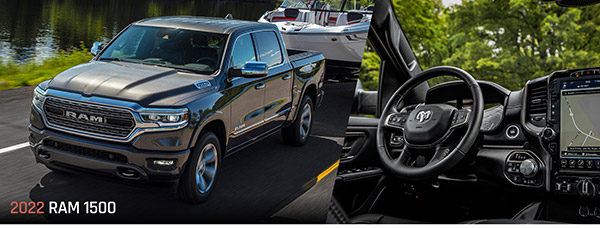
point(336, 28)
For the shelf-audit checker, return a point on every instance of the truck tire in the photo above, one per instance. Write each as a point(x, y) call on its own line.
point(298, 133)
point(201, 172)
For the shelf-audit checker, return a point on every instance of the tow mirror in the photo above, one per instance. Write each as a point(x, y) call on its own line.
point(96, 48)
point(251, 69)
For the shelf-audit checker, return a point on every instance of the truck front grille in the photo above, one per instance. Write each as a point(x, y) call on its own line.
point(87, 152)
point(89, 117)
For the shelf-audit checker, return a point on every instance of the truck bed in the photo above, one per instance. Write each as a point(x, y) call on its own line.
point(301, 58)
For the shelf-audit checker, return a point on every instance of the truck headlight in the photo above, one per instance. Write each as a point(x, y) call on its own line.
point(165, 118)
point(38, 97)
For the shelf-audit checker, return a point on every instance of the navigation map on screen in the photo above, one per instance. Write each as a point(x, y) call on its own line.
point(579, 119)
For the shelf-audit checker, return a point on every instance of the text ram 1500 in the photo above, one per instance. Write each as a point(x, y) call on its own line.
point(169, 97)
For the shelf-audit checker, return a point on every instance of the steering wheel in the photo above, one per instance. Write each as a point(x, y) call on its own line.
point(433, 132)
point(211, 62)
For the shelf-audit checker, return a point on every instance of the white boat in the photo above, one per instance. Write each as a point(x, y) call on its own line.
point(338, 29)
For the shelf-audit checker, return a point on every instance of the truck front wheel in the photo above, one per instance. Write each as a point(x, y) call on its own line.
point(198, 180)
point(298, 133)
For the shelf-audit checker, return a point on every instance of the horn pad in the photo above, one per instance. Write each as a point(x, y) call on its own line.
point(428, 123)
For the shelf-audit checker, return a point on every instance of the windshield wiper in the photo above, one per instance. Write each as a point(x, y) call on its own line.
point(111, 59)
point(115, 59)
point(178, 69)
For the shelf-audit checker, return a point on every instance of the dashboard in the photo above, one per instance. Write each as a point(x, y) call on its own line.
point(545, 136)
point(571, 133)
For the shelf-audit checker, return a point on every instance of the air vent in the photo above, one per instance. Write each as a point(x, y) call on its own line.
point(537, 100)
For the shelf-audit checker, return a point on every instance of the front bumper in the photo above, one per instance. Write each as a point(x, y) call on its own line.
point(71, 153)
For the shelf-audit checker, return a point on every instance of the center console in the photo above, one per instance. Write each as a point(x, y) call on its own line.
point(572, 133)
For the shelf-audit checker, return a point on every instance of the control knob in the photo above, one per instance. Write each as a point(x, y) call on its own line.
point(548, 134)
point(528, 167)
point(586, 188)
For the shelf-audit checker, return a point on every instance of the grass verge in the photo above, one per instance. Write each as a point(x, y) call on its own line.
point(14, 74)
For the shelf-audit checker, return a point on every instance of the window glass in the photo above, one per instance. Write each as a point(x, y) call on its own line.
point(243, 51)
point(332, 5)
point(268, 47)
point(168, 47)
point(358, 5)
point(297, 4)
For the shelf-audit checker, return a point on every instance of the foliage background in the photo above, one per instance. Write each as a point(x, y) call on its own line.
point(504, 41)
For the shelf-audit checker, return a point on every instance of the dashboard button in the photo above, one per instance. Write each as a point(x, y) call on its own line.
point(548, 134)
point(563, 163)
point(584, 211)
point(512, 131)
point(552, 147)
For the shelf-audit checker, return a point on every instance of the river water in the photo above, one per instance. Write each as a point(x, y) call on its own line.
point(35, 29)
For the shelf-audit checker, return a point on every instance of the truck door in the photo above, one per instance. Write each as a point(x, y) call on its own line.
point(247, 95)
point(278, 94)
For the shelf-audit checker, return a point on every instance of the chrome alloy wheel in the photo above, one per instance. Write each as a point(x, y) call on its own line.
point(305, 119)
point(206, 168)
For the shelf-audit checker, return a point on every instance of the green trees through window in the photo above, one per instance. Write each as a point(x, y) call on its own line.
point(504, 41)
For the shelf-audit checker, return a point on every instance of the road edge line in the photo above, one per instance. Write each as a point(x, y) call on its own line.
point(14, 147)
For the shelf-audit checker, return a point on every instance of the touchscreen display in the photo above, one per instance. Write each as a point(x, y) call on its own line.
point(580, 120)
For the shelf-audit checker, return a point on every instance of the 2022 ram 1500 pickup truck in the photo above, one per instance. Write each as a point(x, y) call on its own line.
point(169, 97)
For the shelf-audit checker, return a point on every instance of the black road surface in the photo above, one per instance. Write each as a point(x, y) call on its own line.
point(254, 183)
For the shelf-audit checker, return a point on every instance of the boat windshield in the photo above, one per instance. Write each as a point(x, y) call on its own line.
point(296, 4)
point(363, 5)
point(328, 5)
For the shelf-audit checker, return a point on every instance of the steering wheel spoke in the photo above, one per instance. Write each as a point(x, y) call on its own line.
point(396, 121)
point(460, 118)
point(404, 157)
point(440, 153)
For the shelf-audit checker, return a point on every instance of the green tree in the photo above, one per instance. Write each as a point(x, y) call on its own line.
point(512, 41)
point(504, 41)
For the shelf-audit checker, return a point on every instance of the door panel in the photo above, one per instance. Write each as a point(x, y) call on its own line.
point(248, 95)
point(247, 110)
point(278, 98)
point(278, 95)
point(359, 148)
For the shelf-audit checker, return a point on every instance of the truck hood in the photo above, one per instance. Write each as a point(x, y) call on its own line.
point(147, 85)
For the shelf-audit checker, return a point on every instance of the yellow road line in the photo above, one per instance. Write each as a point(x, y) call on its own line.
point(328, 170)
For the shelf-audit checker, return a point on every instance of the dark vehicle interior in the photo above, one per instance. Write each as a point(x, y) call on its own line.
point(169, 47)
point(467, 151)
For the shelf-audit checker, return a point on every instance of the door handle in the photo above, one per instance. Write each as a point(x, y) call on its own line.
point(260, 86)
point(286, 77)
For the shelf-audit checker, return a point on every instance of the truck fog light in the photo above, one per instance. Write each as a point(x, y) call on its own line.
point(162, 164)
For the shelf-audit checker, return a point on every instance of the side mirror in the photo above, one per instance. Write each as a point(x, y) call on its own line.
point(96, 48)
point(251, 69)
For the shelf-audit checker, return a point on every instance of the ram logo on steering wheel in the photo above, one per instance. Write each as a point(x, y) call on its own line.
point(423, 116)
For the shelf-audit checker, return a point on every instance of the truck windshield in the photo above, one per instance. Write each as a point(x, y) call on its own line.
point(184, 50)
